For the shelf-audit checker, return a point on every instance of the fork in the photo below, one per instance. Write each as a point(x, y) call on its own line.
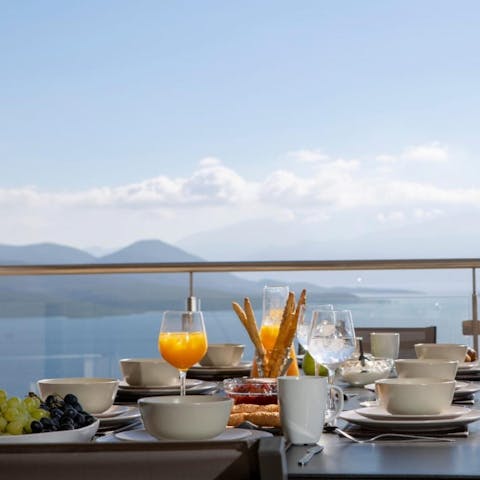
point(403, 437)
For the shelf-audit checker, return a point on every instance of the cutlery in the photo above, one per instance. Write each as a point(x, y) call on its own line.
point(403, 437)
point(311, 452)
point(130, 426)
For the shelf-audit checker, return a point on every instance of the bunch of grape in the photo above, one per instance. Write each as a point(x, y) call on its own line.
point(31, 415)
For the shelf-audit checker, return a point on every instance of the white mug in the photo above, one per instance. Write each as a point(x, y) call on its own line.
point(384, 344)
point(303, 402)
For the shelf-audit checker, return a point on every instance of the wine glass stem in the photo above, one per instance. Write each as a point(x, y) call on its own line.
point(183, 375)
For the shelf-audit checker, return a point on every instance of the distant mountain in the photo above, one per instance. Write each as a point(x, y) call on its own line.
point(149, 251)
point(97, 295)
point(43, 254)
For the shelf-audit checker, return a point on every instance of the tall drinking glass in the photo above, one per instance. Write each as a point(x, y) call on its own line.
point(182, 341)
point(332, 339)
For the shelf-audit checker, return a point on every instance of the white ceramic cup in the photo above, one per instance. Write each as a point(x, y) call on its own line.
point(303, 402)
point(385, 344)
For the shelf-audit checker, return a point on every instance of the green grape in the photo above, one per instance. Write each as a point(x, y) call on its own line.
point(29, 403)
point(14, 402)
point(26, 424)
point(11, 414)
point(15, 428)
point(39, 413)
point(3, 424)
point(3, 406)
point(3, 395)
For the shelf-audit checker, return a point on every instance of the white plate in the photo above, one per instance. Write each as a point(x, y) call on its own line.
point(113, 411)
point(84, 434)
point(130, 414)
point(379, 413)
point(141, 435)
point(199, 387)
point(353, 416)
point(468, 365)
point(241, 367)
point(189, 383)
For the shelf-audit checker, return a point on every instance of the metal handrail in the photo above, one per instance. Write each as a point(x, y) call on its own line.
point(257, 266)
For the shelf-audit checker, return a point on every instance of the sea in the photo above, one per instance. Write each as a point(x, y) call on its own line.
point(32, 348)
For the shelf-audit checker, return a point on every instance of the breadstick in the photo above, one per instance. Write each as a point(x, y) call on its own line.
point(253, 327)
point(286, 334)
point(236, 419)
point(248, 321)
point(264, 419)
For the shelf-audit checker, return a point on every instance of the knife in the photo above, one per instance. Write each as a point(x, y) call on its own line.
point(309, 455)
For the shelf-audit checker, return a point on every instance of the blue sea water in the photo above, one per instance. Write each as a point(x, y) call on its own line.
point(34, 348)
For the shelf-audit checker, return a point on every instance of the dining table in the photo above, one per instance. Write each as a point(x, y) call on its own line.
point(390, 458)
point(262, 455)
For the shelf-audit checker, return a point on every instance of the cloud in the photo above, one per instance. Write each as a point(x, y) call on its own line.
point(308, 156)
point(431, 153)
point(214, 195)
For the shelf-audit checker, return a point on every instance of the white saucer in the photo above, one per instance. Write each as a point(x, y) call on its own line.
point(353, 416)
point(379, 413)
point(113, 411)
point(141, 435)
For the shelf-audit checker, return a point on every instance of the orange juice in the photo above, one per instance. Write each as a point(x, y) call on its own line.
point(182, 349)
point(268, 335)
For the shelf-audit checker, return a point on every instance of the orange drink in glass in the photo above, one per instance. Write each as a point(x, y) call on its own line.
point(182, 341)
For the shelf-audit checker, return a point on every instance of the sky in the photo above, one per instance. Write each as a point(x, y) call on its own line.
point(184, 120)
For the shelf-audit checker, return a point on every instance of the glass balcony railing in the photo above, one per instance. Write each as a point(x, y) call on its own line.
point(80, 320)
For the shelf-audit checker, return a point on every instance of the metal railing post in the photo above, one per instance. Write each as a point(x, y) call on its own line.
point(474, 311)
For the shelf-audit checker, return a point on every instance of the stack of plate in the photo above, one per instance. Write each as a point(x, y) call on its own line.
point(468, 371)
point(118, 416)
point(127, 393)
point(378, 418)
point(220, 373)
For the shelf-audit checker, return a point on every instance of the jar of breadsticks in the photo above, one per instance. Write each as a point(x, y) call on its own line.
point(275, 300)
point(273, 342)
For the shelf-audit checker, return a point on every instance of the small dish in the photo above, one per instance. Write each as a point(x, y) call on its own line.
point(141, 435)
point(259, 391)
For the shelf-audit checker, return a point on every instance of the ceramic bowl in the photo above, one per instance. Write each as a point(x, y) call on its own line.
point(191, 417)
point(426, 367)
point(96, 395)
point(444, 351)
point(222, 355)
point(148, 372)
point(415, 396)
point(353, 373)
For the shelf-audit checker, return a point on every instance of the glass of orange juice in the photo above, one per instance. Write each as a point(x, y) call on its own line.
point(182, 341)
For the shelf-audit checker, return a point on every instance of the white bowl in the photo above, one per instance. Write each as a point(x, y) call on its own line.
point(222, 355)
point(191, 417)
point(96, 395)
point(415, 396)
point(426, 367)
point(352, 371)
point(148, 372)
point(444, 351)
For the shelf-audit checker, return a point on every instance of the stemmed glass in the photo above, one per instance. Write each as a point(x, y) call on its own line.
point(332, 339)
point(305, 324)
point(182, 341)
